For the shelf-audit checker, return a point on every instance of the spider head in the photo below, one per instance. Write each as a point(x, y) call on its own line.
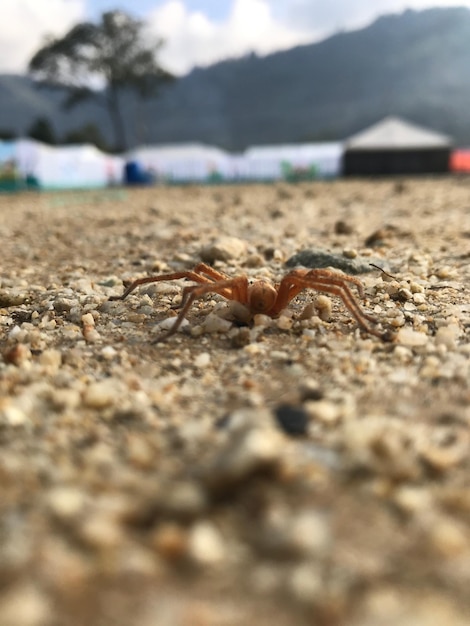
point(261, 296)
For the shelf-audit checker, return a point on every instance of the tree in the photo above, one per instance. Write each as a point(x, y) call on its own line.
point(89, 133)
point(41, 130)
point(114, 55)
point(7, 135)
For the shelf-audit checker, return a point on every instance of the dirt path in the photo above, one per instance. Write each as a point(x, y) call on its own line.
point(289, 471)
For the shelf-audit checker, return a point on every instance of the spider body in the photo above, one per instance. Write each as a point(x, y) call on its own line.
point(262, 296)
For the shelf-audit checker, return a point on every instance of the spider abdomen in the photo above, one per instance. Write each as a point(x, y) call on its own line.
point(261, 296)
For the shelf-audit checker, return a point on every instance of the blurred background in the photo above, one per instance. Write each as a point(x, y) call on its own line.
point(226, 79)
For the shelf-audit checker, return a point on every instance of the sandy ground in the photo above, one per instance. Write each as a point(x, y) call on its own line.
point(288, 471)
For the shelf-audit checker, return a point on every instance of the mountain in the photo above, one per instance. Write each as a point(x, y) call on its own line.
point(415, 64)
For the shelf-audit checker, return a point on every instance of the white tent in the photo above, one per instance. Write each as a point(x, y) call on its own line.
point(322, 160)
point(65, 167)
point(399, 134)
point(183, 162)
point(82, 166)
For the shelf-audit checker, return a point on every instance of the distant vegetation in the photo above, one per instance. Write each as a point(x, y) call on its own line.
point(42, 130)
point(88, 133)
point(114, 53)
point(415, 65)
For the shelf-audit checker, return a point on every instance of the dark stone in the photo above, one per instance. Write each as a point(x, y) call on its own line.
point(293, 420)
point(317, 258)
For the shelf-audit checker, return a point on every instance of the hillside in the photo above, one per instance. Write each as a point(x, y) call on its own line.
point(414, 64)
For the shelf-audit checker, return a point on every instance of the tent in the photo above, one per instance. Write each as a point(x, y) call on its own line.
point(293, 161)
point(183, 162)
point(395, 146)
point(60, 167)
point(10, 177)
point(460, 161)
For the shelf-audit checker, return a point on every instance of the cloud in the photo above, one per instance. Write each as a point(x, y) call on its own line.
point(24, 24)
point(192, 39)
point(323, 18)
point(262, 26)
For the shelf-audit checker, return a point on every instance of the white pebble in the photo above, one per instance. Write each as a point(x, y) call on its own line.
point(262, 320)
point(306, 583)
point(310, 532)
point(410, 337)
point(66, 503)
point(447, 336)
point(419, 298)
point(224, 249)
point(215, 324)
point(446, 272)
point(324, 307)
point(14, 332)
point(88, 319)
point(205, 544)
point(24, 605)
point(99, 395)
point(101, 531)
point(416, 287)
point(90, 334)
point(284, 323)
point(168, 323)
point(323, 411)
point(108, 353)
point(51, 359)
point(350, 253)
point(202, 360)
point(13, 415)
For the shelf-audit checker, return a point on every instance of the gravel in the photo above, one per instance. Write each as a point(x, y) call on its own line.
point(286, 471)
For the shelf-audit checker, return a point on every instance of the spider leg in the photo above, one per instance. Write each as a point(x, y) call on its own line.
point(231, 289)
point(326, 281)
point(189, 275)
point(207, 270)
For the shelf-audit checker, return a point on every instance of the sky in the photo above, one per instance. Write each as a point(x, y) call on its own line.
point(196, 32)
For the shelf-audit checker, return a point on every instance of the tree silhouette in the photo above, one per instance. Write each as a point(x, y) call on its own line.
point(101, 61)
point(41, 130)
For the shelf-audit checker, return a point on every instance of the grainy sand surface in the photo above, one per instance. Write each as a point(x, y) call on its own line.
point(288, 471)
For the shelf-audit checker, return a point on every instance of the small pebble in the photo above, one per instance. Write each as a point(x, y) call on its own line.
point(257, 449)
point(409, 337)
point(224, 249)
point(100, 395)
point(324, 307)
point(13, 415)
point(24, 604)
point(447, 336)
point(323, 411)
point(202, 360)
point(18, 355)
point(64, 304)
point(109, 353)
point(284, 322)
point(51, 360)
point(449, 537)
point(88, 319)
point(215, 324)
point(306, 584)
point(170, 541)
point(293, 420)
point(67, 503)
point(8, 299)
point(205, 544)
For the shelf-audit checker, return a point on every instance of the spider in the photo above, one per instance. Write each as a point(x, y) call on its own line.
point(262, 296)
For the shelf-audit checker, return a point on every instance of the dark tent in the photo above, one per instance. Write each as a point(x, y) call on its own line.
point(394, 146)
